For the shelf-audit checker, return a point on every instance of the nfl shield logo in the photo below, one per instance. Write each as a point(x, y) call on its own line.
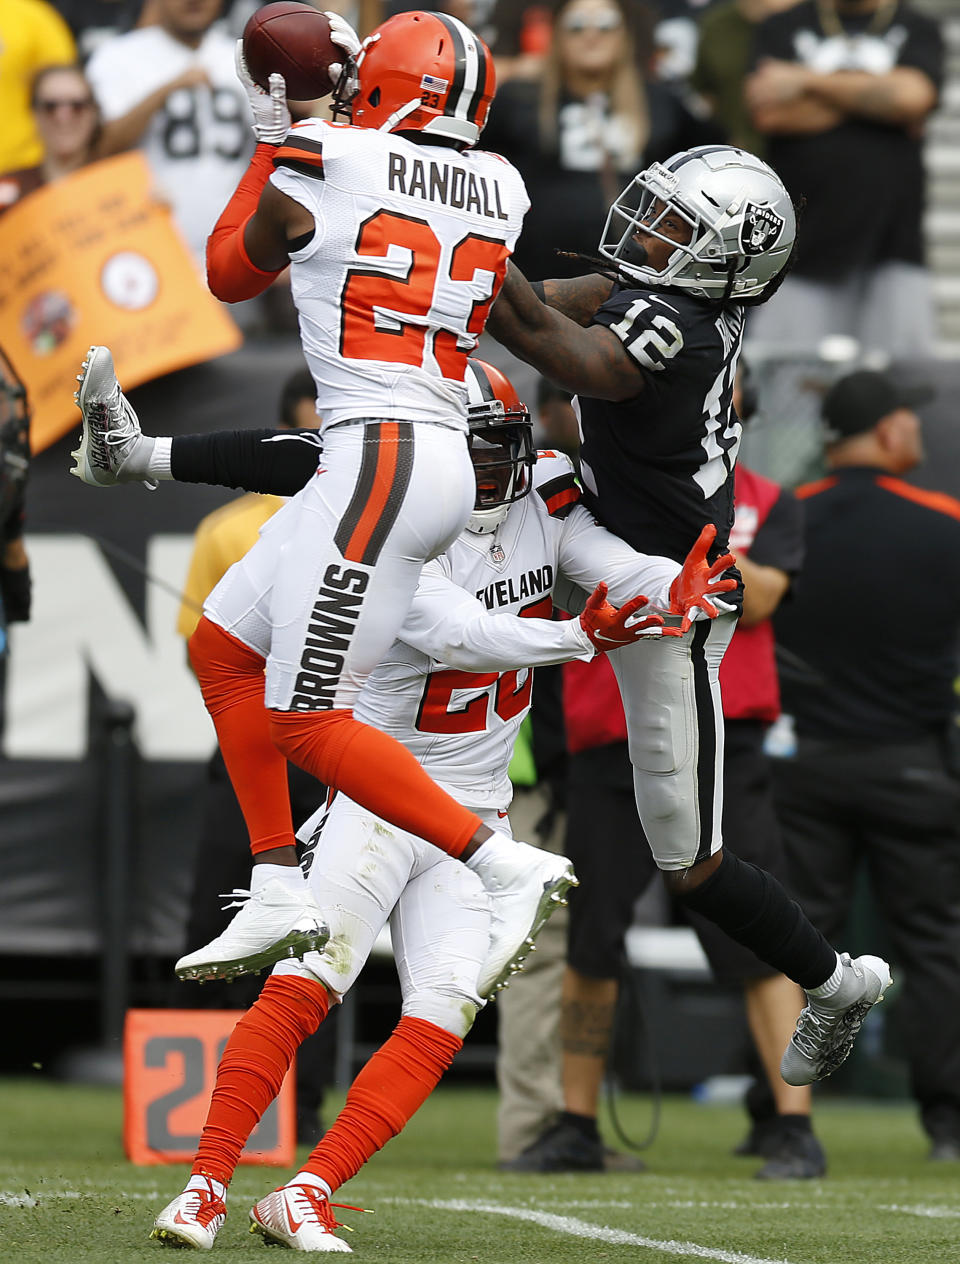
point(760, 229)
point(497, 554)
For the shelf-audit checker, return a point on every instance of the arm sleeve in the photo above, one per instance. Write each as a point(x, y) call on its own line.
point(450, 625)
point(590, 554)
point(230, 274)
point(279, 462)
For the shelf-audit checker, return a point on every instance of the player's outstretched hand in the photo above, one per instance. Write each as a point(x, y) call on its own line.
point(699, 581)
point(344, 36)
point(271, 114)
point(608, 628)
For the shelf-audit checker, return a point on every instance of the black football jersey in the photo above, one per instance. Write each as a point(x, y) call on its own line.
point(658, 467)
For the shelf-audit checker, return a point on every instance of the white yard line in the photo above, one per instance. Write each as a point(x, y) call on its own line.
point(935, 1213)
point(21, 1198)
point(598, 1233)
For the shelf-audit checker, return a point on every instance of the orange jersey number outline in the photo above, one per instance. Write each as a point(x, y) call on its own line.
point(511, 696)
point(365, 292)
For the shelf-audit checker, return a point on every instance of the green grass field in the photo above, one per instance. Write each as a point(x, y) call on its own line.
point(67, 1194)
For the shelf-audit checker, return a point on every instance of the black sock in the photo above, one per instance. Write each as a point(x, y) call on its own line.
point(585, 1124)
point(753, 908)
point(793, 1123)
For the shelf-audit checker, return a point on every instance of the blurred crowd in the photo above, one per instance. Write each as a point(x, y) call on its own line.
point(835, 94)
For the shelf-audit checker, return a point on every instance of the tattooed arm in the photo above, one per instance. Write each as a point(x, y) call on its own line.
point(589, 361)
point(577, 297)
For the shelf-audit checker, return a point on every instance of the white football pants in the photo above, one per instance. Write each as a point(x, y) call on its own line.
point(363, 872)
point(335, 570)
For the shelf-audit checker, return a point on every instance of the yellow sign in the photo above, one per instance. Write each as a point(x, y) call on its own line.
point(94, 258)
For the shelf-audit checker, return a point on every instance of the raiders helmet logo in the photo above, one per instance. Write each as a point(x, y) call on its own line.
point(760, 229)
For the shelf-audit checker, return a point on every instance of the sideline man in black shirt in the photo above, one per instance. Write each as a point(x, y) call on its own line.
point(842, 90)
point(870, 780)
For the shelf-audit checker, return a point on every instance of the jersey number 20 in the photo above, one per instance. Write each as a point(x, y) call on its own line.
point(511, 692)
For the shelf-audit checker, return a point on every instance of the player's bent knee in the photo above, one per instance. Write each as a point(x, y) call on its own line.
point(660, 800)
point(317, 968)
point(453, 1011)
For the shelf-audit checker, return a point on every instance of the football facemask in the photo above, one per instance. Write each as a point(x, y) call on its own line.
point(741, 219)
point(500, 441)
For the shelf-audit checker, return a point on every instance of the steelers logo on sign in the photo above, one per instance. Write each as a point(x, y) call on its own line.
point(129, 280)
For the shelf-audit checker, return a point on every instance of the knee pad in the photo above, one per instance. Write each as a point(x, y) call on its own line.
point(453, 1011)
point(659, 738)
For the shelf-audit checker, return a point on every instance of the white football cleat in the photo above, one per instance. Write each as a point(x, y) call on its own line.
point(525, 886)
point(273, 923)
point(111, 429)
point(828, 1026)
point(297, 1216)
point(193, 1219)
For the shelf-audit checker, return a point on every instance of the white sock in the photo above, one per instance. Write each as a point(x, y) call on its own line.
point(158, 458)
point(290, 875)
point(831, 985)
point(208, 1184)
point(308, 1178)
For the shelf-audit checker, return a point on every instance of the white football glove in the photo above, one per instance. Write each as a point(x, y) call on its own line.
point(344, 36)
point(271, 114)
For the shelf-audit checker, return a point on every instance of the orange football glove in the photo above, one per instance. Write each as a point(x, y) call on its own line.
point(699, 580)
point(608, 628)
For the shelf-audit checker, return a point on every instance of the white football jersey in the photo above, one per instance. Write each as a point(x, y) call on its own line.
point(198, 143)
point(449, 688)
point(409, 252)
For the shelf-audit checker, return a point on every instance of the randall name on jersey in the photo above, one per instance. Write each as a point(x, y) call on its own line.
point(506, 592)
point(450, 186)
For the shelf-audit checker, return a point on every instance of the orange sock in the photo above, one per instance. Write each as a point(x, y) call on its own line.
point(389, 1090)
point(375, 771)
point(257, 1057)
point(231, 680)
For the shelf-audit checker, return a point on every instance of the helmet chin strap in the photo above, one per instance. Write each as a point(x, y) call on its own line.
point(399, 115)
point(486, 521)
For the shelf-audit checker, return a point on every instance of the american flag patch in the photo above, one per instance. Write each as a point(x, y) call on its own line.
point(430, 83)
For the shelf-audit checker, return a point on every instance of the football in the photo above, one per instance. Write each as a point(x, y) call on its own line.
point(293, 40)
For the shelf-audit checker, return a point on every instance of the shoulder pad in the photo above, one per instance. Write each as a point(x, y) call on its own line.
point(555, 482)
point(302, 149)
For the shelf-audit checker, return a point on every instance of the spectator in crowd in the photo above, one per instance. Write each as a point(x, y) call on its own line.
point(92, 22)
point(603, 834)
point(172, 90)
point(68, 123)
point(32, 35)
point(520, 38)
point(724, 57)
point(677, 37)
point(14, 466)
point(841, 90)
point(871, 782)
point(583, 130)
point(223, 861)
